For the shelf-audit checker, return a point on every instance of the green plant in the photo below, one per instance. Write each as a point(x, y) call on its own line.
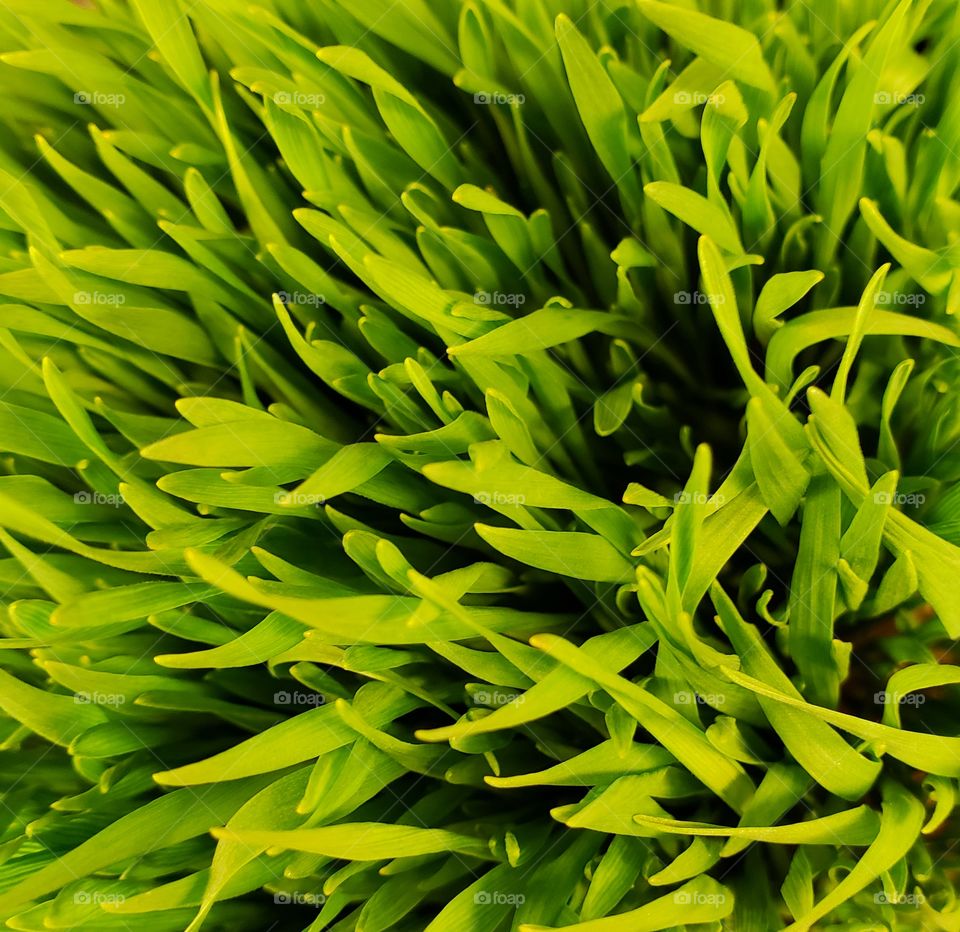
point(479, 465)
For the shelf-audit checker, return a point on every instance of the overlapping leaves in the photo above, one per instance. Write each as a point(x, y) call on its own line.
point(478, 465)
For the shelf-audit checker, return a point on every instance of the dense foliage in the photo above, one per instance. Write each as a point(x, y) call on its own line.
point(479, 465)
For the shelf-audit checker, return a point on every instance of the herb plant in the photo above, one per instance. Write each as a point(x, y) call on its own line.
point(479, 465)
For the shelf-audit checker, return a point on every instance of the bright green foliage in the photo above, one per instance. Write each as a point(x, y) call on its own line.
point(479, 465)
